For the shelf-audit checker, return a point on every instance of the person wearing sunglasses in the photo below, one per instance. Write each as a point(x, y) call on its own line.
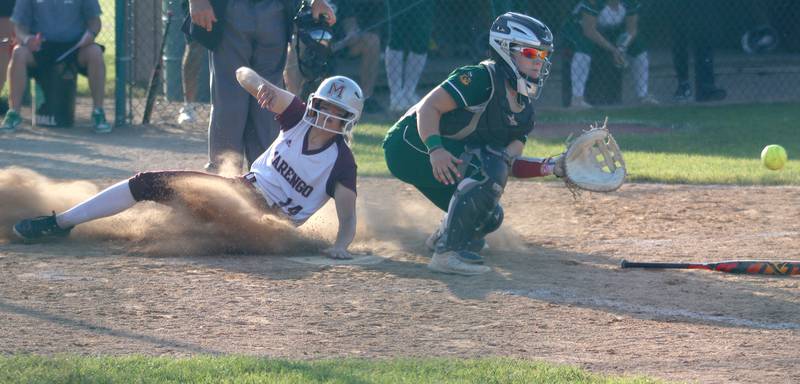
point(457, 145)
point(610, 26)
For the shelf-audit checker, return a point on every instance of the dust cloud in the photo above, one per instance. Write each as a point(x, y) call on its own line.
point(213, 217)
point(387, 224)
point(208, 217)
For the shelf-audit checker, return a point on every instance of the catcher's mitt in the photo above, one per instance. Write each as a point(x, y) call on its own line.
point(593, 162)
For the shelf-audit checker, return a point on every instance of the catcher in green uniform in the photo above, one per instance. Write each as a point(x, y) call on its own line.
point(457, 145)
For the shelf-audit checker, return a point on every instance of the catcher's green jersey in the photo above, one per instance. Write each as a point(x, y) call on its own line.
point(481, 118)
point(472, 88)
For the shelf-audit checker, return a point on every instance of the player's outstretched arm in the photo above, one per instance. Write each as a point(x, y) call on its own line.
point(345, 200)
point(443, 164)
point(269, 95)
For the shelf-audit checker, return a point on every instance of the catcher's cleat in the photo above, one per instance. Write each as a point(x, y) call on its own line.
point(473, 246)
point(431, 241)
point(40, 228)
point(451, 262)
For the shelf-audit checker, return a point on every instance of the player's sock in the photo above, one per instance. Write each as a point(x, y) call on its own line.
point(640, 73)
point(414, 65)
point(579, 69)
point(394, 74)
point(110, 201)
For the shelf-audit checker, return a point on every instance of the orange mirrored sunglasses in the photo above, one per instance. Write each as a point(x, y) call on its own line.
point(532, 53)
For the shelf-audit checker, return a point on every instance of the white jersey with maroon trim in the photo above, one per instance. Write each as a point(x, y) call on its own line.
point(297, 180)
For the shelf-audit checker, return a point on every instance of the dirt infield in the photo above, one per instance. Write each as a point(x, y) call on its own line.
point(555, 294)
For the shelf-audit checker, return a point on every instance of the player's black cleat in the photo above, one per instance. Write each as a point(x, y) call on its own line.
point(40, 228)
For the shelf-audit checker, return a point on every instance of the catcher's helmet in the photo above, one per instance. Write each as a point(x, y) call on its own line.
point(342, 92)
point(517, 31)
point(760, 40)
point(314, 38)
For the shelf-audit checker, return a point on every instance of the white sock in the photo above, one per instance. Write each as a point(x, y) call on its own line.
point(579, 69)
point(640, 73)
point(110, 201)
point(412, 71)
point(394, 73)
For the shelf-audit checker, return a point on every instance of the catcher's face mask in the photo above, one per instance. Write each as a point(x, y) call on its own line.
point(516, 38)
point(314, 38)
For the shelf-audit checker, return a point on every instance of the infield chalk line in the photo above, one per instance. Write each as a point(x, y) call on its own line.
point(548, 295)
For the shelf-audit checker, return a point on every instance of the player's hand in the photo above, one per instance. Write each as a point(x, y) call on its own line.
point(265, 97)
point(445, 166)
point(321, 7)
point(202, 14)
point(35, 42)
point(337, 253)
point(619, 57)
point(87, 39)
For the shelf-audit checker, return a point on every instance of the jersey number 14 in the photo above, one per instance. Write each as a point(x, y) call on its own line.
point(291, 210)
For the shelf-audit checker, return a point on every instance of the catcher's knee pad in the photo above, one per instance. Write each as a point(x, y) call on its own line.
point(492, 222)
point(475, 202)
point(468, 209)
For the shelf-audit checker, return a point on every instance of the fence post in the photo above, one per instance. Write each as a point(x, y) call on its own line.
point(121, 59)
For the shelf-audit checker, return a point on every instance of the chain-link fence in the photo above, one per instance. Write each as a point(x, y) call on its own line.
point(682, 51)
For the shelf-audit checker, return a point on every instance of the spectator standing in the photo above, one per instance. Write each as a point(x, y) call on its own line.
point(611, 26)
point(252, 33)
point(44, 32)
point(410, 26)
point(6, 39)
point(691, 26)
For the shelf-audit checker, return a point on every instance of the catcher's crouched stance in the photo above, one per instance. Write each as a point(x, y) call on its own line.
point(461, 142)
point(308, 163)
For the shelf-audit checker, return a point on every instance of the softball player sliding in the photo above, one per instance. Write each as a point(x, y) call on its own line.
point(308, 163)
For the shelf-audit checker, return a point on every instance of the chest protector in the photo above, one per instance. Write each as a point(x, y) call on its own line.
point(491, 122)
point(499, 125)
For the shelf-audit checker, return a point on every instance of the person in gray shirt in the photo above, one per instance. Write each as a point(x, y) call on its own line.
point(46, 30)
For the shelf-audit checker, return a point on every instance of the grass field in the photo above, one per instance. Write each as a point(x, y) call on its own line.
point(700, 145)
point(235, 369)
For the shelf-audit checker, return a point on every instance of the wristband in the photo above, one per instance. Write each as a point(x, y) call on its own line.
point(435, 147)
point(433, 142)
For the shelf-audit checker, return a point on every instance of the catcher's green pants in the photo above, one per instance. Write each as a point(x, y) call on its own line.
point(407, 159)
